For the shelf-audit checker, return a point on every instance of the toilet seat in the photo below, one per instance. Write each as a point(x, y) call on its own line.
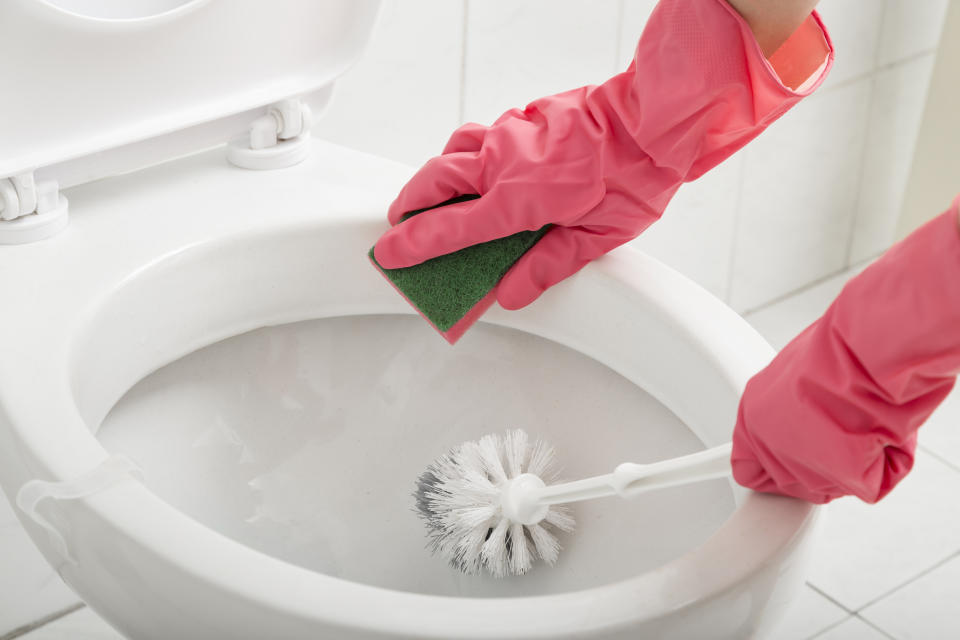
point(123, 309)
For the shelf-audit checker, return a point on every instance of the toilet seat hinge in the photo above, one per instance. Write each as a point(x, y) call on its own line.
point(276, 140)
point(30, 210)
point(111, 471)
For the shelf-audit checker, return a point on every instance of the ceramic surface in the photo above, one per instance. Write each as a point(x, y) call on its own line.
point(161, 263)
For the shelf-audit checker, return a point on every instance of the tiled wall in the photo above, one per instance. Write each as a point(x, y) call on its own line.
point(819, 190)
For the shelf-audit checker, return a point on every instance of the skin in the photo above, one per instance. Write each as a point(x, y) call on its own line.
point(773, 21)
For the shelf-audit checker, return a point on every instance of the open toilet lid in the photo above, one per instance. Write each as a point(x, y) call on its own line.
point(99, 87)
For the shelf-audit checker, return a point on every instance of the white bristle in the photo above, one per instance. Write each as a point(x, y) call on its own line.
point(459, 498)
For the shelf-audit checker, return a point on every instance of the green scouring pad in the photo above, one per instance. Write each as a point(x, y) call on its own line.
point(452, 291)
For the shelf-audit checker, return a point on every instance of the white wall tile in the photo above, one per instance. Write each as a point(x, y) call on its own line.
point(866, 551)
point(799, 196)
point(910, 27)
point(809, 614)
point(854, 28)
point(853, 628)
point(519, 51)
point(83, 624)
point(695, 234)
point(29, 588)
point(633, 18)
point(896, 110)
point(925, 608)
point(781, 321)
point(402, 99)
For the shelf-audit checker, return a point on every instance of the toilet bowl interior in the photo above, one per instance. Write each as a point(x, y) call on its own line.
point(303, 441)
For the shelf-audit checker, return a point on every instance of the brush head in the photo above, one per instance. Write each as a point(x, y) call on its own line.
point(459, 497)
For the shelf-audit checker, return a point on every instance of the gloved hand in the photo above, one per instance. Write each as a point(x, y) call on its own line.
point(601, 162)
point(837, 411)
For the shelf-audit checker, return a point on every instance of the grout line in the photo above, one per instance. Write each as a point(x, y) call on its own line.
point(830, 598)
point(737, 212)
point(867, 129)
point(464, 30)
point(36, 624)
point(903, 584)
point(830, 628)
point(883, 632)
point(913, 57)
point(878, 46)
point(810, 285)
point(860, 77)
point(878, 68)
point(621, 10)
point(833, 626)
point(934, 454)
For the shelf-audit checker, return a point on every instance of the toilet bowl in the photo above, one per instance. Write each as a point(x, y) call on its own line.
point(213, 409)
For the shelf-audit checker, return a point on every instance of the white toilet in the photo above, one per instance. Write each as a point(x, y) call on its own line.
point(213, 409)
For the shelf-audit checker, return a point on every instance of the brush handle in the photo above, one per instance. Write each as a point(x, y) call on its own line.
point(629, 479)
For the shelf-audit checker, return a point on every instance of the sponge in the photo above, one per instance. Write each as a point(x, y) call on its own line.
point(452, 291)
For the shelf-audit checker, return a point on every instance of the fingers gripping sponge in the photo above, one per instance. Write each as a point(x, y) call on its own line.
point(452, 291)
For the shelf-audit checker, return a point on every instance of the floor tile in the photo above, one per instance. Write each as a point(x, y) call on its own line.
point(809, 615)
point(925, 608)
point(29, 588)
point(941, 433)
point(865, 551)
point(82, 624)
point(853, 628)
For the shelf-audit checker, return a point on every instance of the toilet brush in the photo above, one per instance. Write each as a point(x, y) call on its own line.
point(488, 505)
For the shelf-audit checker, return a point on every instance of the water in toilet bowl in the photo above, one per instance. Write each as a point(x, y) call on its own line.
point(303, 441)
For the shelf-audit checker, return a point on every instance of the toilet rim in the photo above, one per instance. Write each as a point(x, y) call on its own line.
point(140, 519)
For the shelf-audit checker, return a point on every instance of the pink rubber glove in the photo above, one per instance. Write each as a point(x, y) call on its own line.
point(836, 412)
point(601, 162)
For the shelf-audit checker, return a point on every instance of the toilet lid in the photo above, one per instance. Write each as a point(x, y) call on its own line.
point(99, 87)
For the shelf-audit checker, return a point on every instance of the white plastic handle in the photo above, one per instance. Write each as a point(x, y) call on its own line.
point(633, 479)
point(526, 499)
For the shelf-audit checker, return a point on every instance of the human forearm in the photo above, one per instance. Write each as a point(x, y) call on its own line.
point(773, 21)
point(837, 410)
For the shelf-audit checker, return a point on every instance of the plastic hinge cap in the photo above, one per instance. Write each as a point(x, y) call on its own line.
point(276, 140)
point(30, 210)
